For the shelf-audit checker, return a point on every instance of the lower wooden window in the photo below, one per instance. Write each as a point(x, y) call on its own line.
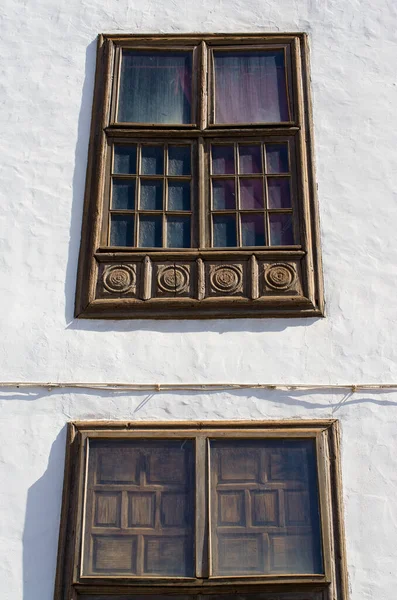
point(190, 510)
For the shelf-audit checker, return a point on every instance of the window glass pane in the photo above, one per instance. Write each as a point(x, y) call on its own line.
point(122, 230)
point(265, 508)
point(150, 231)
point(250, 87)
point(281, 232)
point(152, 160)
point(178, 232)
point(224, 231)
point(155, 87)
point(223, 194)
point(178, 195)
point(251, 193)
point(125, 160)
point(151, 195)
point(279, 192)
point(250, 159)
point(253, 230)
point(140, 489)
point(179, 160)
point(222, 160)
point(123, 194)
point(277, 158)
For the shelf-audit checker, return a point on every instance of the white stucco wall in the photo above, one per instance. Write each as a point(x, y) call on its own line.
point(47, 51)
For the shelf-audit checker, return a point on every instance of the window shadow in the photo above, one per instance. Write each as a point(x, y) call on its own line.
point(40, 534)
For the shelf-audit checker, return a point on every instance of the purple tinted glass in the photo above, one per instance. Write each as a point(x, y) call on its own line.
point(250, 160)
point(251, 193)
point(222, 160)
point(281, 232)
point(223, 194)
point(277, 158)
point(278, 192)
point(253, 230)
point(250, 87)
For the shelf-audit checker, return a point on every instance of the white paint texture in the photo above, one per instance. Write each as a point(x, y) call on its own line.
point(46, 82)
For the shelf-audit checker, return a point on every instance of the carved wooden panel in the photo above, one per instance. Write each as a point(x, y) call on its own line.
point(264, 508)
point(119, 280)
point(280, 278)
point(140, 509)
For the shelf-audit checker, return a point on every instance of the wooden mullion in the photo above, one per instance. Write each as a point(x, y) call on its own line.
point(201, 516)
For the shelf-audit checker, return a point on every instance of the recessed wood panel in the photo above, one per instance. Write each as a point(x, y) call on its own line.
point(168, 556)
point(114, 554)
point(240, 554)
point(118, 465)
point(238, 465)
point(288, 464)
point(175, 510)
point(297, 507)
point(231, 508)
point(265, 507)
point(107, 509)
point(167, 466)
point(292, 554)
point(141, 509)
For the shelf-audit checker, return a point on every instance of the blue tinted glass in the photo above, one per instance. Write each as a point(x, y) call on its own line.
point(253, 230)
point(179, 160)
point(155, 87)
point(281, 232)
point(123, 194)
point(178, 232)
point(125, 159)
point(152, 160)
point(222, 160)
point(150, 231)
point(178, 195)
point(122, 230)
point(151, 195)
point(276, 158)
point(223, 194)
point(224, 231)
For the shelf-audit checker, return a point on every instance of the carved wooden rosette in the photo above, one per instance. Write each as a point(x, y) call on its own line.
point(205, 284)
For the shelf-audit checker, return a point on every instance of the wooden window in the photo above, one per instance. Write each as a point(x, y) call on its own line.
point(200, 194)
point(200, 509)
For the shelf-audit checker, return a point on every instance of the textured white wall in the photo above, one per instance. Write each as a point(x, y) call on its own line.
point(47, 51)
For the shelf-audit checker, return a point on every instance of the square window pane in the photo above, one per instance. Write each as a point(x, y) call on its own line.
point(150, 231)
point(249, 480)
point(119, 475)
point(178, 232)
point(223, 194)
point(281, 230)
point(125, 160)
point(123, 194)
point(253, 230)
point(223, 160)
point(122, 230)
point(251, 193)
point(179, 160)
point(224, 231)
point(178, 195)
point(152, 162)
point(277, 158)
point(250, 159)
point(151, 195)
point(279, 195)
point(250, 87)
point(155, 87)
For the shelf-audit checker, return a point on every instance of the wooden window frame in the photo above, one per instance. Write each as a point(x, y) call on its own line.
point(332, 585)
point(202, 281)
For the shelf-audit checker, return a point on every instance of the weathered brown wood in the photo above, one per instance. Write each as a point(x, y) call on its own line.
point(92, 301)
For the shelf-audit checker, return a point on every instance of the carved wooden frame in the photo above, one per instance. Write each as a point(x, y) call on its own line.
point(71, 585)
point(201, 282)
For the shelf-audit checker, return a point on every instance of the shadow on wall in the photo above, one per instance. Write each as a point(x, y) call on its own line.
point(169, 326)
point(40, 534)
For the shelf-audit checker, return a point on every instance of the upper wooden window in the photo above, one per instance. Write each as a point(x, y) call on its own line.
point(200, 195)
point(197, 509)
